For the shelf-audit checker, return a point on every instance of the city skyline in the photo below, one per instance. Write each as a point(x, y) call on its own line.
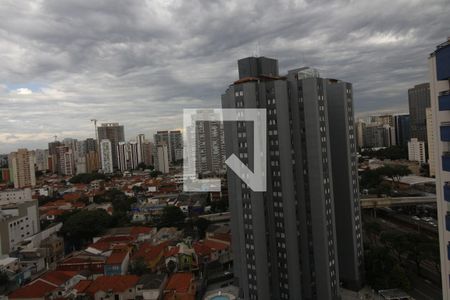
point(54, 80)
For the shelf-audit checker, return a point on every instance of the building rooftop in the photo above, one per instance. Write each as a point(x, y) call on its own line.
point(117, 284)
point(36, 289)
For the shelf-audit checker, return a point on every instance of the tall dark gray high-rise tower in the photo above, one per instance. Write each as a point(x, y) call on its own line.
point(419, 100)
point(285, 240)
point(115, 134)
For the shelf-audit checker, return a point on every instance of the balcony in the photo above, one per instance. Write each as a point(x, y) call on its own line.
point(447, 222)
point(445, 133)
point(447, 191)
point(446, 161)
point(444, 102)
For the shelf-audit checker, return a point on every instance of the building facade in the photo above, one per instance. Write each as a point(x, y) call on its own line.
point(162, 158)
point(21, 168)
point(106, 157)
point(17, 222)
point(416, 151)
point(430, 143)
point(285, 243)
point(439, 67)
point(419, 100)
point(114, 133)
point(402, 129)
point(210, 148)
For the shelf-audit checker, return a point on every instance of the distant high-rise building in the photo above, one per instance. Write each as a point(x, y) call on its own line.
point(147, 148)
point(383, 119)
point(90, 145)
point(53, 163)
point(360, 125)
point(210, 148)
point(402, 129)
point(66, 160)
point(140, 139)
point(286, 240)
point(21, 167)
point(176, 145)
point(52, 147)
point(378, 135)
point(173, 140)
point(419, 100)
point(431, 142)
point(134, 154)
point(439, 67)
point(107, 161)
point(416, 151)
point(122, 156)
point(92, 163)
point(162, 158)
point(41, 159)
point(114, 133)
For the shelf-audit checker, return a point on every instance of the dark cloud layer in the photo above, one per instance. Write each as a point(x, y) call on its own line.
point(141, 62)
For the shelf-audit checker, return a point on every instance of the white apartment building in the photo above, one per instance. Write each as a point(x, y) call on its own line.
point(416, 151)
point(439, 67)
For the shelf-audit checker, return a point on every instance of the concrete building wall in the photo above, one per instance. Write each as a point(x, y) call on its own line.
point(431, 142)
point(439, 86)
point(284, 240)
point(419, 100)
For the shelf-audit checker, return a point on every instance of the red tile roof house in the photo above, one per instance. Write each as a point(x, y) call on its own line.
point(122, 287)
point(152, 255)
point(181, 286)
point(83, 261)
point(50, 285)
point(117, 263)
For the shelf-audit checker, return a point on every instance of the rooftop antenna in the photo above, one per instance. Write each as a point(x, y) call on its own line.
point(55, 136)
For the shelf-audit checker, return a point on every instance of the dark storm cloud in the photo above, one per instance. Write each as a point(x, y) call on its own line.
point(141, 62)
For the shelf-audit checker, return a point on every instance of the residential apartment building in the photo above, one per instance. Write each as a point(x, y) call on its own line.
point(402, 129)
point(17, 222)
point(174, 141)
point(439, 67)
point(106, 157)
point(431, 142)
point(114, 132)
point(419, 100)
point(286, 240)
point(21, 168)
point(416, 151)
point(162, 158)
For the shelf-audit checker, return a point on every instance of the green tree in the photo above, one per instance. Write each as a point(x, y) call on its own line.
point(372, 230)
point(399, 279)
point(396, 242)
point(378, 265)
point(418, 248)
point(370, 179)
point(86, 178)
point(394, 172)
point(172, 216)
point(84, 225)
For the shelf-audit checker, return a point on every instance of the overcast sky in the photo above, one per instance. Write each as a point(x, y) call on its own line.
point(140, 63)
